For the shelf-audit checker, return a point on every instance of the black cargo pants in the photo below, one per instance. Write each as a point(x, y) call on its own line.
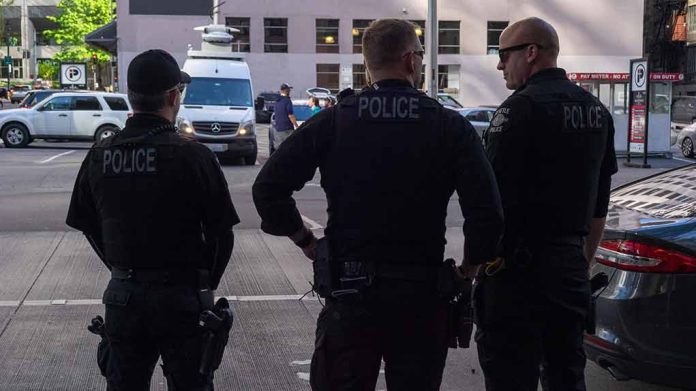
point(402, 323)
point(531, 314)
point(145, 321)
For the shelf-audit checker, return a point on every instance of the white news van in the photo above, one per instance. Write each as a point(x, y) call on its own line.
point(217, 108)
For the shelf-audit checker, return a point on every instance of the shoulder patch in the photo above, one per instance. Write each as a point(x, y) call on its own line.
point(500, 119)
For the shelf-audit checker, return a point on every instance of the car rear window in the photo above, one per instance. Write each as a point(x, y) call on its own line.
point(116, 104)
point(669, 195)
point(86, 103)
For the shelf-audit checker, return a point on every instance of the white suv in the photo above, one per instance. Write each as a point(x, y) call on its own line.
point(87, 116)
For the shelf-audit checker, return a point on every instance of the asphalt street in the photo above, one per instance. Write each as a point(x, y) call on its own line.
point(51, 284)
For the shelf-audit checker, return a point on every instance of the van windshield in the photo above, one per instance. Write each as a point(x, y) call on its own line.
point(211, 91)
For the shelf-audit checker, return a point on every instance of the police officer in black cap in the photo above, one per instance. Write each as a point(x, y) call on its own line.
point(390, 159)
point(551, 145)
point(156, 209)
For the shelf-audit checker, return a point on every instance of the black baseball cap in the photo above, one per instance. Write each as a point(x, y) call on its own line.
point(285, 87)
point(155, 71)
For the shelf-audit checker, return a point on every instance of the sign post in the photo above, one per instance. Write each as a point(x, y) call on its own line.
point(639, 112)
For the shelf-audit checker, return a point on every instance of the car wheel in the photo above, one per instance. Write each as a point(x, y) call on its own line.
point(16, 136)
point(250, 160)
point(105, 132)
point(687, 147)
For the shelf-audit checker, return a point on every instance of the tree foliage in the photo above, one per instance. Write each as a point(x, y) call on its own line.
point(76, 19)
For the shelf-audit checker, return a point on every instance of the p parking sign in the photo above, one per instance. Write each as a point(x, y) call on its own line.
point(73, 75)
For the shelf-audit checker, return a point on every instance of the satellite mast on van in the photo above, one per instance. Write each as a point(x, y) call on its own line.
point(217, 42)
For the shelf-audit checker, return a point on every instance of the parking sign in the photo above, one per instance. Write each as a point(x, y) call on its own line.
point(73, 75)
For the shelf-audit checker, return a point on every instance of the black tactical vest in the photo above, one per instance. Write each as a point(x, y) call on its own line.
point(142, 187)
point(568, 136)
point(386, 176)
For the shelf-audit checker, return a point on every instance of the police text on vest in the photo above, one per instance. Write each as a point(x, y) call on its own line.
point(129, 161)
point(393, 107)
point(578, 117)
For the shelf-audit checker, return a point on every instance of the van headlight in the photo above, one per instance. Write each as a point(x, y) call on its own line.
point(184, 126)
point(246, 128)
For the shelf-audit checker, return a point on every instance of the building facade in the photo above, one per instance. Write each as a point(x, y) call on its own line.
point(24, 23)
point(308, 43)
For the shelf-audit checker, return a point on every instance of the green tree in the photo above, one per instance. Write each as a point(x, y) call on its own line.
point(76, 19)
point(48, 70)
point(3, 4)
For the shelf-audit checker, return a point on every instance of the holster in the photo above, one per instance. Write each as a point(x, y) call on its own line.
point(323, 275)
point(217, 324)
point(598, 282)
point(103, 349)
point(457, 292)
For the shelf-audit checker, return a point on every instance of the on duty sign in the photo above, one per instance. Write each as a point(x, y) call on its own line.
point(73, 74)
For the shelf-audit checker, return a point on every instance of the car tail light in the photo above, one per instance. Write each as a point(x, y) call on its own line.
point(642, 257)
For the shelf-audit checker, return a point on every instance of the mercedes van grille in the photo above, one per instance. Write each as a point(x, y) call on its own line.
point(215, 128)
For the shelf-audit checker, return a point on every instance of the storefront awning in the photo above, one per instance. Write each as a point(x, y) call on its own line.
point(617, 77)
point(104, 38)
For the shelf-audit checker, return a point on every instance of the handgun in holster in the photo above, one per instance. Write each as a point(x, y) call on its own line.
point(597, 283)
point(217, 324)
point(457, 292)
point(323, 273)
point(96, 326)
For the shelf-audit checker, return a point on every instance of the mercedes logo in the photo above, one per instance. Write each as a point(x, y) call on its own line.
point(215, 127)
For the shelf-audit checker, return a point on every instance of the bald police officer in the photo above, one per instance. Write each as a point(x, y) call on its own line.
point(390, 159)
point(551, 145)
point(156, 209)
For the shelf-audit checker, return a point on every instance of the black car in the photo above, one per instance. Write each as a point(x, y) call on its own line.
point(646, 316)
point(264, 111)
point(35, 96)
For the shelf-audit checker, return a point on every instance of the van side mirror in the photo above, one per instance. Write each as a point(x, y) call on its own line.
point(258, 103)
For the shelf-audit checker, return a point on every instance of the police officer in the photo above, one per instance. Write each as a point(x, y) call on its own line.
point(156, 209)
point(551, 147)
point(390, 159)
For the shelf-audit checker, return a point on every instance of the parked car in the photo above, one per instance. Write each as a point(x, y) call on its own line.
point(35, 96)
point(87, 116)
point(479, 117)
point(449, 101)
point(302, 113)
point(266, 102)
point(646, 316)
point(19, 92)
point(684, 110)
point(686, 138)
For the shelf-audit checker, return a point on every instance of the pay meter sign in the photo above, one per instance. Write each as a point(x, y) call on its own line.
point(73, 75)
point(638, 112)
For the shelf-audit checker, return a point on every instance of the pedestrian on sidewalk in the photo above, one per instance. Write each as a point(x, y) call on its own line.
point(284, 116)
point(156, 209)
point(533, 300)
point(390, 159)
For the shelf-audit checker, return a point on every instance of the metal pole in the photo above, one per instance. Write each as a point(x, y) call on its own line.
point(431, 46)
point(215, 11)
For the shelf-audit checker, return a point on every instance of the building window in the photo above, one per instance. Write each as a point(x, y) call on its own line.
point(327, 35)
point(420, 31)
point(494, 31)
point(275, 35)
point(241, 39)
point(448, 40)
point(692, 19)
point(359, 76)
point(328, 77)
point(359, 26)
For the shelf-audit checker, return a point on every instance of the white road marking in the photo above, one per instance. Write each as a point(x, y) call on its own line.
point(55, 157)
point(312, 224)
point(71, 302)
point(683, 160)
point(303, 362)
point(303, 376)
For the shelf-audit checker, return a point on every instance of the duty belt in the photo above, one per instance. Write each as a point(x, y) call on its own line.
point(158, 276)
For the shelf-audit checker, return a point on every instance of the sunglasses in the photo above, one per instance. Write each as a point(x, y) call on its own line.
point(503, 54)
point(179, 87)
point(419, 53)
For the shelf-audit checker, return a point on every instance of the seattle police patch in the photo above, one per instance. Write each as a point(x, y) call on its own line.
point(501, 118)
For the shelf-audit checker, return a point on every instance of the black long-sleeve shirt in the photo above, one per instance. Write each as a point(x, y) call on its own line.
point(390, 159)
